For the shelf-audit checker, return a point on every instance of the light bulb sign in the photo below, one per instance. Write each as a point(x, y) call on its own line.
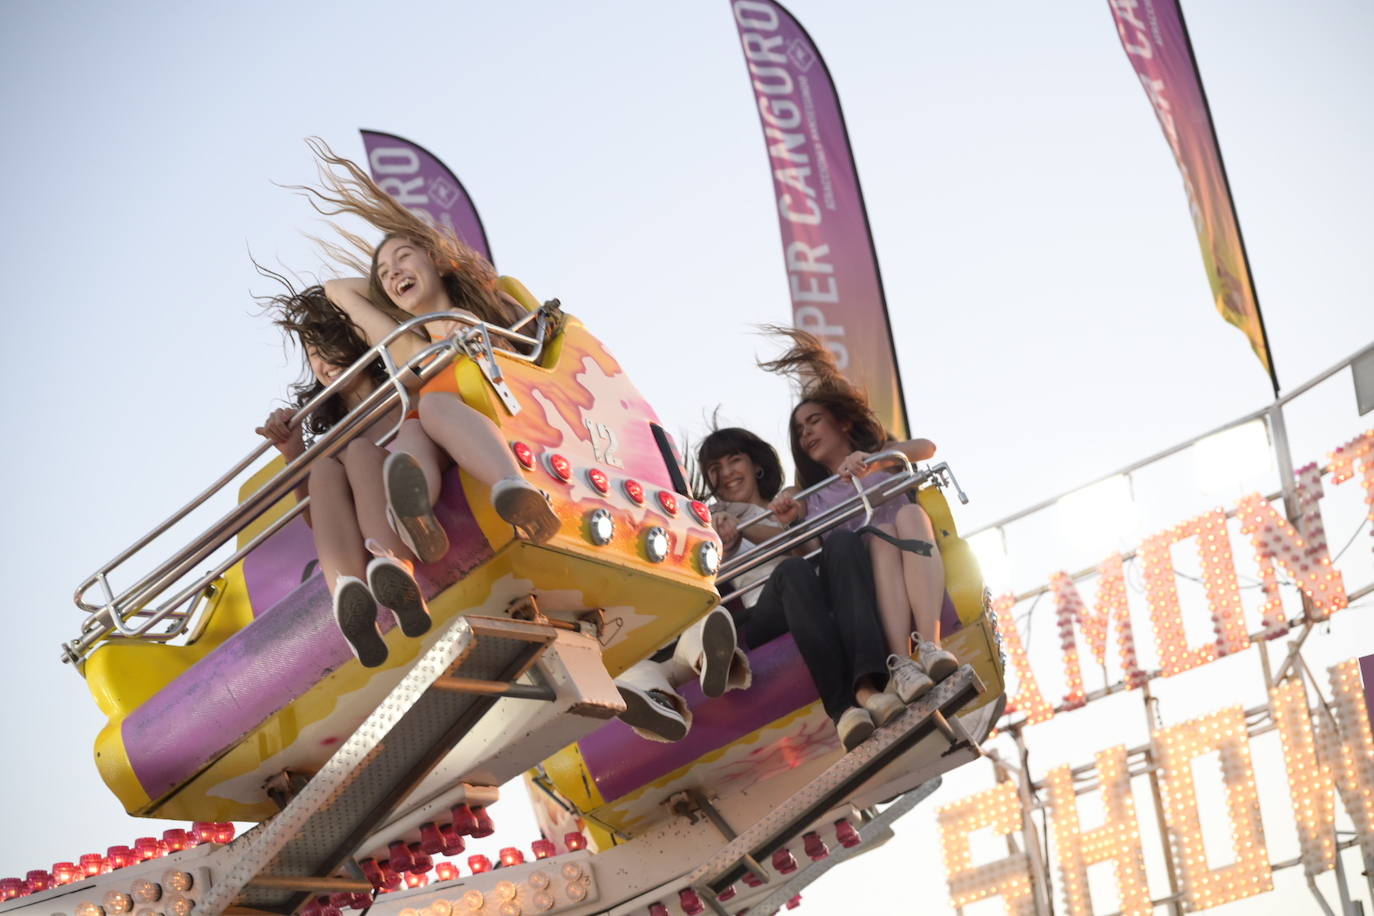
point(1327, 747)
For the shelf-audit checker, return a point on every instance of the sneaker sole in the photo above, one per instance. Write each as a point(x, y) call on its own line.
point(528, 510)
point(718, 650)
point(407, 495)
point(893, 712)
point(394, 589)
point(942, 669)
point(921, 690)
point(357, 618)
point(641, 712)
point(857, 735)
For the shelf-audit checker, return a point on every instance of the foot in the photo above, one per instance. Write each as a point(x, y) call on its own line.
point(653, 712)
point(356, 612)
point(939, 664)
point(410, 510)
point(906, 680)
point(883, 707)
point(393, 586)
point(522, 504)
point(854, 726)
point(718, 645)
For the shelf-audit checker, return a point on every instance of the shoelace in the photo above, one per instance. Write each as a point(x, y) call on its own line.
point(375, 548)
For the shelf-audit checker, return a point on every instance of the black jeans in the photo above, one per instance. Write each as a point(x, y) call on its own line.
point(833, 618)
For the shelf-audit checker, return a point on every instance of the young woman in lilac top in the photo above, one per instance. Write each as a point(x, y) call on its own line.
point(834, 432)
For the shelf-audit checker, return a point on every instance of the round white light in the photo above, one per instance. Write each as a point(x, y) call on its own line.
point(539, 880)
point(117, 902)
point(543, 900)
point(708, 558)
point(572, 871)
point(178, 880)
point(147, 891)
point(600, 527)
point(656, 544)
point(474, 900)
point(506, 890)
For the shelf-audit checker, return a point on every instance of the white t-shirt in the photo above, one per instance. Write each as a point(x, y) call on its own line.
point(746, 514)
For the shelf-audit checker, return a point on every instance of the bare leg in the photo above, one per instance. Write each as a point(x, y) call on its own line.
point(894, 609)
point(414, 442)
point(924, 577)
point(362, 460)
point(338, 541)
point(469, 437)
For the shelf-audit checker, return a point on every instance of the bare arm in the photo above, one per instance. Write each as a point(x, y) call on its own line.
point(350, 295)
point(915, 449)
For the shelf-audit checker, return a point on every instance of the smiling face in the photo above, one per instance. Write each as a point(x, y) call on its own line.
point(734, 478)
point(406, 274)
point(820, 436)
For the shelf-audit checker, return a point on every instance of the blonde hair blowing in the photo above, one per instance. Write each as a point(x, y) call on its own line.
point(469, 279)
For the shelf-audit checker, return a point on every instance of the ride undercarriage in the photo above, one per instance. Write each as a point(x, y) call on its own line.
point(232, 697)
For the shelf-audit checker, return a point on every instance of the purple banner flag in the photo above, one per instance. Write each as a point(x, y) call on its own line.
point(424, 186)
point(832, 269)
point(1156, 41)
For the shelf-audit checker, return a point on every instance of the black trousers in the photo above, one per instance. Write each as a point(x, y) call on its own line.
point(832, 614)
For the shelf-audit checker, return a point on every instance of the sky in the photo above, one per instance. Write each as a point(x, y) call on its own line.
point(1046, 288)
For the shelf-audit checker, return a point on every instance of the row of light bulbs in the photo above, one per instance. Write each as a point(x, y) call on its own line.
point(1319, 763)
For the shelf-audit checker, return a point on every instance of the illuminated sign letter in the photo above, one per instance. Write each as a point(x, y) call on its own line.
point(1117, 840)
point(1309, 782)
point(1009, 877)
point(1175, 748)
point(1349, 750)
point(1110, 607)
point(1219, 578)
point(1359, 450)
point(1304, 556)
point(1028, 698)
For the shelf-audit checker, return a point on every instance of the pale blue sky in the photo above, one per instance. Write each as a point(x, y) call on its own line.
point(1047, 290)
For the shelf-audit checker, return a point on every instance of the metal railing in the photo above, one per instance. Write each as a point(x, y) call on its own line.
point(864, 500)
point(128, 613)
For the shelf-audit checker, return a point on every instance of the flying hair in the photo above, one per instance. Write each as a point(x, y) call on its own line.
point(345, 189)
point(317, 324)
point(818, 375)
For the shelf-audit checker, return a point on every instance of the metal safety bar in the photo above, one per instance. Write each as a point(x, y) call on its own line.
point(864, 501)
point(127, 612)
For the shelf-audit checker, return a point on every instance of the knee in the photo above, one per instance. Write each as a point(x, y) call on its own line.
point(361, 450)
point(912, 520)
point(440, 406)
point(326, 474)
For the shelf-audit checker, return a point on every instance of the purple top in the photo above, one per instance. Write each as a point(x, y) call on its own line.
point(839, 491)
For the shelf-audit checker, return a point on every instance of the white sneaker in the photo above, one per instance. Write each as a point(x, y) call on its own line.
point(718, 643)
point(884, 707)
point(523, 505)
point(939, 664)
point(906, 680)
point(854, 726)
point(409, 509)
point(651, 714)
point(394, 586)
point(355, 610)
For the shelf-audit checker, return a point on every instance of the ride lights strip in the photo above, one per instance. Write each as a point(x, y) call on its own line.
point(1175, 748)
point(1116, 841)
point(1009, 878)
point(1110, 607)
point(1359, 450)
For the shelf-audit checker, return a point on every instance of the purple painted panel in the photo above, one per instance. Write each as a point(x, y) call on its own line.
point(287, 650)
point(280, 564)
point(620, 761)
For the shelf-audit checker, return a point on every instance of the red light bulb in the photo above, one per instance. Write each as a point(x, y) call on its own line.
point(668, 501)
point(524, 454)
